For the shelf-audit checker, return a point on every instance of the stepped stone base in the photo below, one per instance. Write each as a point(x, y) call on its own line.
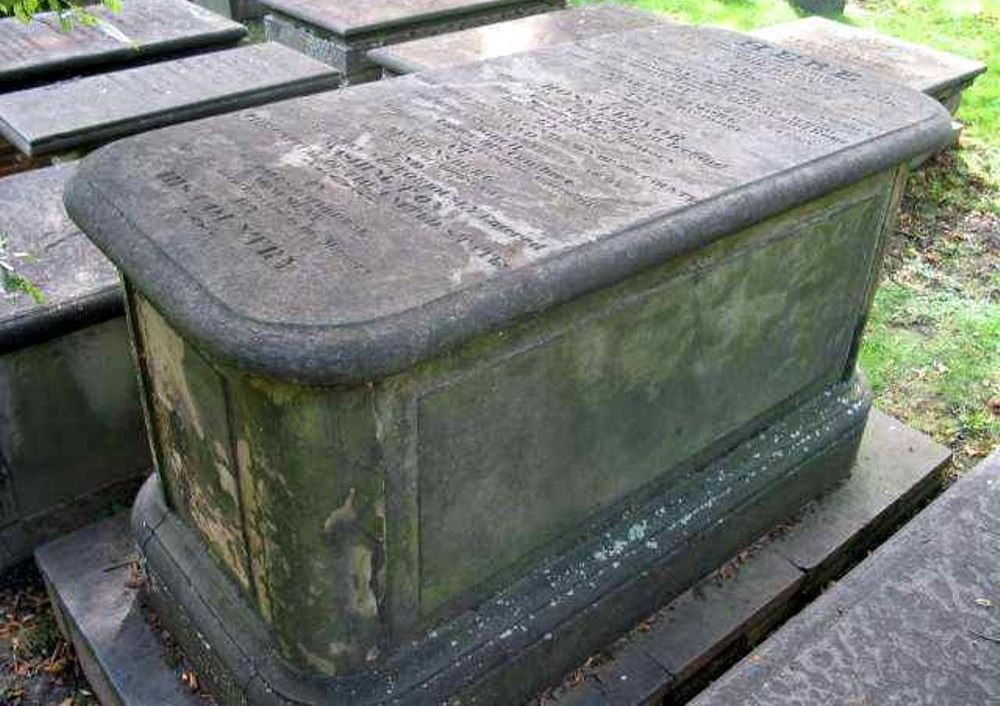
point(676, 652)
point(896, 470)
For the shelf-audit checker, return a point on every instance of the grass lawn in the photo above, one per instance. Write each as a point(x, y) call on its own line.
point(932, 350)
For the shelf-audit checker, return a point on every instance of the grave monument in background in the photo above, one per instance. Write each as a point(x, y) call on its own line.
point(939, 74)
point(510, 37)
point(72, 443)
point(341, 33)
point(83, 113)
point(444, 399)
point(41, 51)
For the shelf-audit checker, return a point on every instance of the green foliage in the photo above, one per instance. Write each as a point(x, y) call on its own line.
point(13, 283)
point(68, 13)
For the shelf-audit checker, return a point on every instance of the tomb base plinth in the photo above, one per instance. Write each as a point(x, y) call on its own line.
point(531, 631)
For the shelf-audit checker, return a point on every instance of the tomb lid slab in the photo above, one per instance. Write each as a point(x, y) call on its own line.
point(143, 29)
point(94, 109)
point(450, 203)
point(510, 37)
point(355, 17)
point(922, 68)
point(80, 286)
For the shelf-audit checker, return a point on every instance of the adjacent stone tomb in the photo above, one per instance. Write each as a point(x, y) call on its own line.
point(87, 112)
point(72, 442)
point(510, 37)
point(443, 400)
point(939, 74)
point(341, 33)
point(42, 51)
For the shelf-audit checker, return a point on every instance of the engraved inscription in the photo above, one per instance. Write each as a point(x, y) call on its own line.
point(438, 181)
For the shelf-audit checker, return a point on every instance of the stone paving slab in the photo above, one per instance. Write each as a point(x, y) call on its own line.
point(918, 622)
point(142, 30)
point(720, 619)
point(90, 579)
point(82, 113)
point(97, 600)
point(872, 499)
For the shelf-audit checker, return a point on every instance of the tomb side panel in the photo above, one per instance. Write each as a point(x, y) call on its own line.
point(606, 397)
point(313, 497)
point(188, 409)
point(70, 421)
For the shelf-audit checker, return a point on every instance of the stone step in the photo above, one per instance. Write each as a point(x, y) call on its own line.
point(918, 622)
point(91, 579)
point(679, 649)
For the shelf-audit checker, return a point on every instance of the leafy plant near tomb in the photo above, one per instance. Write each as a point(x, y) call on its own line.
point(14, 283)
point(69, 13)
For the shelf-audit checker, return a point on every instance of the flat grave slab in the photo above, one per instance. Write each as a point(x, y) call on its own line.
point(92, 577)
point(917, 622)
point(71, 433)
point(718, 621)
point(142, 30)
point(86, 112)
point(351, 339)
point(342, 33)
point(939, 74)
point(510, 37)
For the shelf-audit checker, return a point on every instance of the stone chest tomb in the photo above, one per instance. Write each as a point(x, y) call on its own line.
point(341, 33)
point(445, 398)
point(41, 51)
point(83, 113)
point(939, 74)
point(510, 37)
point(72, 442)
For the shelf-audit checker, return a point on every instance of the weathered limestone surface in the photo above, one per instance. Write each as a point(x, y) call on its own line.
point(394, 369)
point(71, 434)
point(342, 33)
point(511, 37)
point(915, 623)
point(96, 109)
point(143, 29)
point(934, 72)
